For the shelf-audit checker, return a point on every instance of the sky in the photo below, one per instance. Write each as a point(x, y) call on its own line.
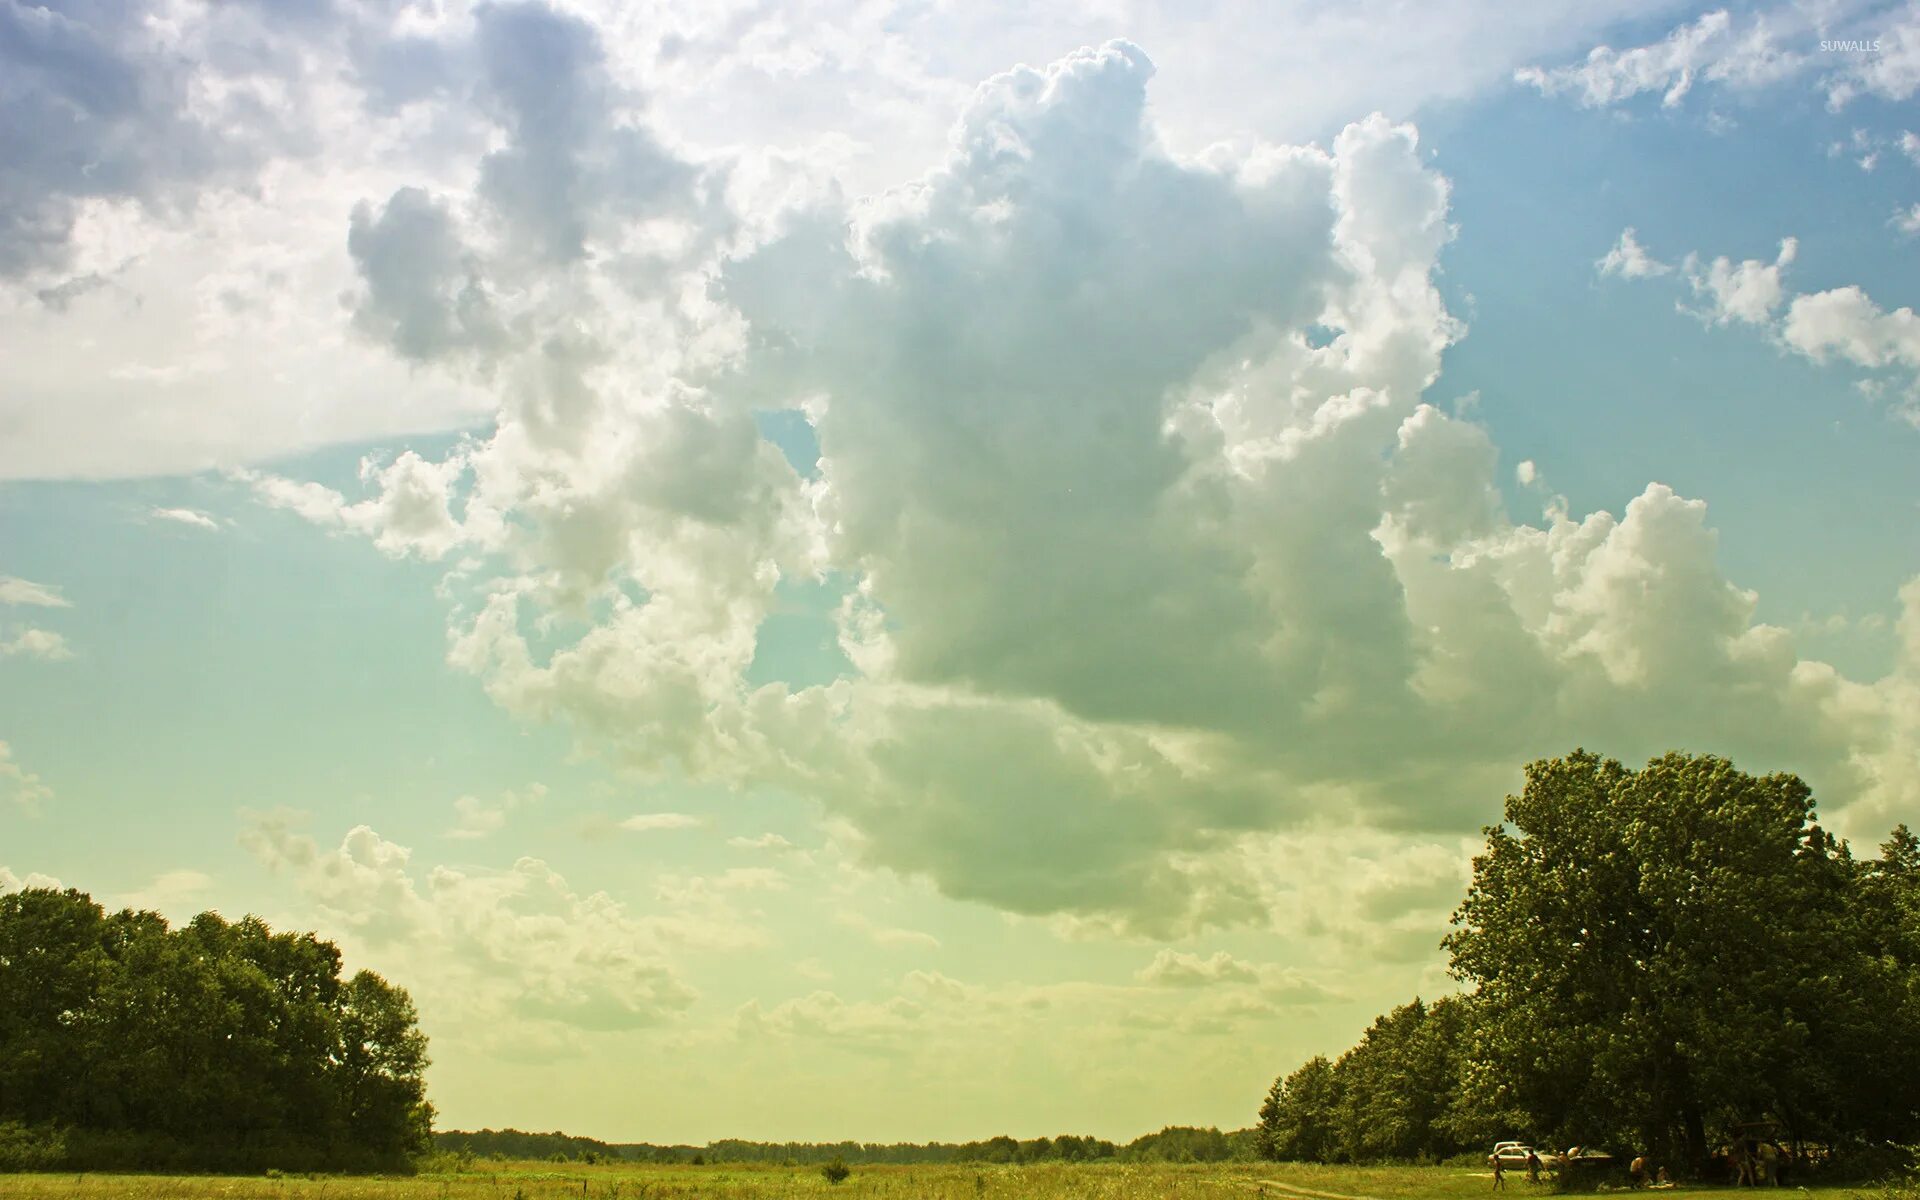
point(907, 570)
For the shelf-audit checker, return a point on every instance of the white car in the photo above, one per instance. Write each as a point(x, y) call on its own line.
point(1512, 1155)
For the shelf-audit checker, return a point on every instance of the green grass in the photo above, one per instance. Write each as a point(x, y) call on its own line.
point(629, 1181)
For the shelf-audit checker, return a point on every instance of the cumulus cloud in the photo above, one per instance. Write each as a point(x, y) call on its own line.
point(1749, 291)
point(484, 945)
point(423, 294)
point(1841, 324)
point(10, 882)
point(409, 514)
point(1846, 323)
point(42, 644)
point(1172, 968)
point(20, 786)
point(1144, 541)
point(1629, 259)
point(96, 105)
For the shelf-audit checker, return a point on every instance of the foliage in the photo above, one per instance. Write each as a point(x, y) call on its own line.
point(1390, 1097)
point(216, 1045)
point(836, 1171)
point(1657, 957)
point(27, 1148)
point(1172, 1144)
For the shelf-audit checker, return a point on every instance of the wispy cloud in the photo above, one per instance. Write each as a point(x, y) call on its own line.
point(184, 516)
point(653, 822)
point(882, 934)
point(19, 785)
point(27, 592)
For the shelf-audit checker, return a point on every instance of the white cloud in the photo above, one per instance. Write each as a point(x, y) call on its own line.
point(505, 954)
point(176, 894)
point(767, 841)
point(1749, 291)
point(184, 516)
point(1907, 220)
point(409, 514)
point(41, 644)
point(1891, 70)
point(26, 592)
point(191, 289)
point(1845, 322)
point(1629, 259)
point(1846, 50)
point(1173, 968)
point(1840, 324)
point(20, 786)
point(9, 882)
point(475, 818)
point(1224, 552)
point(882, 934)
point(653, 822)
point(1609, 76)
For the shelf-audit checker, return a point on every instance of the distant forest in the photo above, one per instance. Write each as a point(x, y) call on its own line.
point(1173, 1144)
point(1673, 962)
point(125, 1044)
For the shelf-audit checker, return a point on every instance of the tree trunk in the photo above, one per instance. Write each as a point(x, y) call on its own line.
point(1696, 1128)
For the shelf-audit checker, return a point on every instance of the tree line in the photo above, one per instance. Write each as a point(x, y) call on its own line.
point(1176, 1143)
point(1662, 961)
point(217, 1045)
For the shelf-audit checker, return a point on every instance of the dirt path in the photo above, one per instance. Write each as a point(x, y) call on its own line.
point(1292, 1190)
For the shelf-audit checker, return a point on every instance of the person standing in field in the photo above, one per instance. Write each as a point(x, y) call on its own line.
point(1499, 1174)
point(1533, 1166)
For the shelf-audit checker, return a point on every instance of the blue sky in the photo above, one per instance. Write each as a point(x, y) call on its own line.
point(787, 549)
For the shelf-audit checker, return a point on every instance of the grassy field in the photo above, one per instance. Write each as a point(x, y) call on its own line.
point(625, 1181)
point(630, 1181)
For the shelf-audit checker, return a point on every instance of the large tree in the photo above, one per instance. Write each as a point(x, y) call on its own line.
point(1299, 1120)
point(216, 1044)
point(1661, 953)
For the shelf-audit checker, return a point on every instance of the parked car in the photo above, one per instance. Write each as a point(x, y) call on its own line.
point(1512, 1155)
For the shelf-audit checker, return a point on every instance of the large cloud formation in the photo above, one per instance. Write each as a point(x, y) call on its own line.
point(1148, 552)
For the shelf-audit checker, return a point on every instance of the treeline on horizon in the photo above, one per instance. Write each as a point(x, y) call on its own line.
point(1172, 1144)
point(126, 1044)
point(1661, 962)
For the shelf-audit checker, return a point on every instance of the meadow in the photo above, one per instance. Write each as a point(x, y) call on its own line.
point(637, 1181)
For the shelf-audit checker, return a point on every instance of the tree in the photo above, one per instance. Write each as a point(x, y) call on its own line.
point(1659, 953)
point(212, 1045)
point(1298, 1121)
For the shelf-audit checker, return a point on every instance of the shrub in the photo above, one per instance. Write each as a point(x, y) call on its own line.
point(836, 1171)
point(31, 1148)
